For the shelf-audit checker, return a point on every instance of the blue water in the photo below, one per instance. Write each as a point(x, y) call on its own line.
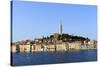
point(19, 59)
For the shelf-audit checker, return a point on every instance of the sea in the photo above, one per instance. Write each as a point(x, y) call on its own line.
point(39, 58)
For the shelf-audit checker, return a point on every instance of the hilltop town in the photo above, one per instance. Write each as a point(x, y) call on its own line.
point(56, 42)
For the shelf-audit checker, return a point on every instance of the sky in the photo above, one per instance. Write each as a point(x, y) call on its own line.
point(37, 19)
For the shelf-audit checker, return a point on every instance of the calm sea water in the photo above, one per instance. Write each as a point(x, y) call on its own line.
point(19, 59)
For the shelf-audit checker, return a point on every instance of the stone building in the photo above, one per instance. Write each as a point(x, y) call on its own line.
point(74, 45)
point(13, 48)
point(61, 46)
point(36, 47)
point(24, 47)
point(50, 47)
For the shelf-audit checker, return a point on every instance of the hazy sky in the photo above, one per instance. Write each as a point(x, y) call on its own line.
point(36, 19)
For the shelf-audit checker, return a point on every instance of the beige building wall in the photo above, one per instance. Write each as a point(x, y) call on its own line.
point(33, 48)
point(21, 48)
point(61, 47)
point(74, 45)
point(38, 48)
point(91, 42)
point(13, 48)
point(51, 47)
point(24, 48)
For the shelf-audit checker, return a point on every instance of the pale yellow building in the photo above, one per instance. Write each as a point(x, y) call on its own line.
point(91, 42)
point(24, 48)
point(61, 47)
point(74, 45)
point(51, 47)
point(37, 47)
point(13, 48)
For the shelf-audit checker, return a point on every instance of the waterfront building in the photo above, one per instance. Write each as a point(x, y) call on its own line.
point(37, 47)
point(83, 47)
point(13, 48)
point(24, 46)
point(21, 48)
point(74, 45)
point(50, 47)
point(91, 42)
point(61, 47)
point(85, 42)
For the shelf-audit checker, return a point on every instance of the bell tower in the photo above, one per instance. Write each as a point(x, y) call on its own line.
point(60, 28)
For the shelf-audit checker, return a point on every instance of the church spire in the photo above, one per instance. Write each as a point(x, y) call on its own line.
point(60, 27)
